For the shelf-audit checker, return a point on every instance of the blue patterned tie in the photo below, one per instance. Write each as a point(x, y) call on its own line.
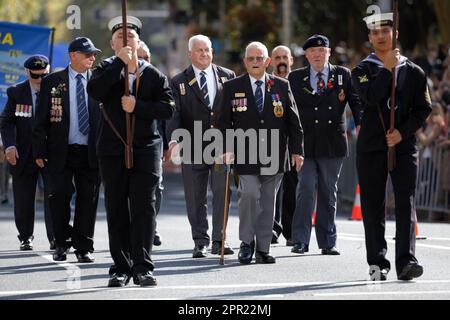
point(204, 88)
point(83, 116)
point(320, 83)
point(259, 96)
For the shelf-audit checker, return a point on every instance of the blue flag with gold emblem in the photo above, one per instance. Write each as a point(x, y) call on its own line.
point(17, 43)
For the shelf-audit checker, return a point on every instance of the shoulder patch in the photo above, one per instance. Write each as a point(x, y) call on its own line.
point(363, 79)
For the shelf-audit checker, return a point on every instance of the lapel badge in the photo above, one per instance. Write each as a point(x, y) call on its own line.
point(224, 79)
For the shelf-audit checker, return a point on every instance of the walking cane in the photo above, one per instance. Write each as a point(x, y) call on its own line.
point(225, 216)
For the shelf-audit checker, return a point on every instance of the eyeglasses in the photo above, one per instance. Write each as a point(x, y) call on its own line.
point(259, 59)
point(37, 76)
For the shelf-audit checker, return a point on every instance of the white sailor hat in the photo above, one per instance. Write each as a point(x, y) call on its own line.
point(377, 20)
point(132, 22)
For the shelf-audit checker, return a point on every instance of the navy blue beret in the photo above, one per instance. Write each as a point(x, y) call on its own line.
point(36, 62)
point(316, 40)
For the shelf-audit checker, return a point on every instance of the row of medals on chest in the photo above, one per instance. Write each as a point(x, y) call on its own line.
point(241, 105)
point(24, 110)
point(56, 110)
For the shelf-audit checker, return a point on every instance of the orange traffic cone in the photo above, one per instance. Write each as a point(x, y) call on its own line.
point(356, 212)
point(417, 233)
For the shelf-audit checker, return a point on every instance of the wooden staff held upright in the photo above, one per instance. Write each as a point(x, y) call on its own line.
point(391, 150)
point(129, 137)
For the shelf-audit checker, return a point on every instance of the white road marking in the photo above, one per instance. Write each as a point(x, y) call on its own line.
point(392, 237)
point(329, 285)
point(385, 293)
point(357, 238)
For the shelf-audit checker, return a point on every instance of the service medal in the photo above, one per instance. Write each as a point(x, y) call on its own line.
point(278, 109)
point(341, 96)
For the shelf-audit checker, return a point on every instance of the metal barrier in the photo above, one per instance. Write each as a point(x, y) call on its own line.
point(349, 176)
point(433, 180)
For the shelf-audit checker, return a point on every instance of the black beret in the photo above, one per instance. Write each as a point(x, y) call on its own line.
point(36, 62)
point(316, 40)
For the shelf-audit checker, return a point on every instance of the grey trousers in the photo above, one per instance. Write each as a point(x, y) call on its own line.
point(195, 180)
point(257, 195)
point(318, 178)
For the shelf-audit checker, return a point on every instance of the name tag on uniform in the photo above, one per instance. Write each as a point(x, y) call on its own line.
point(192, 82)
point(239, 95)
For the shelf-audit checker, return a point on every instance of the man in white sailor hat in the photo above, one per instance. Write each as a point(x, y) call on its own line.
point(372, 79)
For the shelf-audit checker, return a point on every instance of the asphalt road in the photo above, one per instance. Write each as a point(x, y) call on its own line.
point(33, 275)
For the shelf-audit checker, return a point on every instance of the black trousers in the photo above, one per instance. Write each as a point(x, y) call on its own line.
point(24, 192)
point(77, 177)
point(372, 171)
point(285, 205)
point(130, 207)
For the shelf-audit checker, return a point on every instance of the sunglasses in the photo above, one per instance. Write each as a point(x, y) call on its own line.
point(259, 59)
point(37, 76)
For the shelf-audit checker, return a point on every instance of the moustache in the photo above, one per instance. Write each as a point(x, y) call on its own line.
point(282, 67)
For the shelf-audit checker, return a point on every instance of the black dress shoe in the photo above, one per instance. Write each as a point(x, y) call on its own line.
point(331, 252)
point(144, 279)
point(52, 245)
point(60, 254)
point(410, 271)
point(264, 258)
point(200, 252)
point(157, 239)
point(27, 245)
point(379, 275)
point(84, 257)
point(300, 248)
point(118, 280)
point(217, 247)
point(245, 255)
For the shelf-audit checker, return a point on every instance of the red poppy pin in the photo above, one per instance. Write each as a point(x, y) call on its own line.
point(269, 85)
point(330, 84)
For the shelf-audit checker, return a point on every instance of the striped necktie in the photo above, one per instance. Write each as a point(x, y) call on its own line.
point(204, 88)
point(83, 116)
point(259, 96)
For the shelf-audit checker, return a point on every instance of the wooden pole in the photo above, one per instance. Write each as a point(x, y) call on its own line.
point(391, 150)
point(129, 142)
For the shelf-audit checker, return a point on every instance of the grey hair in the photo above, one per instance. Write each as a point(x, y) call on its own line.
point(257, 45)
point(199, 38)
point(282, 47)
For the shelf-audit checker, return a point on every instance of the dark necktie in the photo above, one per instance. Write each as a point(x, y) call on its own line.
point(320, 83)
point(83, 116)
point(204, 88)
point(259, 96)
point(35, 103)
